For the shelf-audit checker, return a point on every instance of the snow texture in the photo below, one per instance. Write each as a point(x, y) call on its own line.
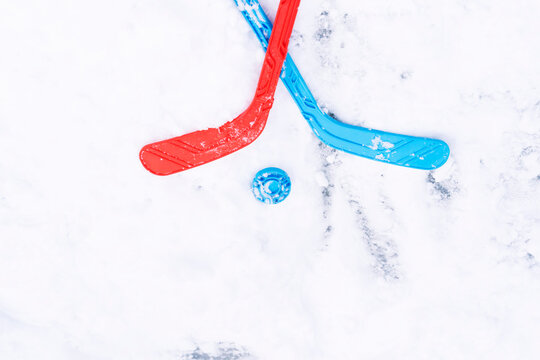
point(102, 260)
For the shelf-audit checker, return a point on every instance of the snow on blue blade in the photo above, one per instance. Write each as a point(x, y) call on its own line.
point(404, 150)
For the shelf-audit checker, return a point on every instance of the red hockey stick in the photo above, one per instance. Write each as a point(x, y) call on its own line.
point(200, 147)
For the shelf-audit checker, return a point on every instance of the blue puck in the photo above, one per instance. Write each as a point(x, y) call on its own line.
point(271, 185)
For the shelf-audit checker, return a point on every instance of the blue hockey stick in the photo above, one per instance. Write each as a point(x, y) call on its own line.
point(404, 150)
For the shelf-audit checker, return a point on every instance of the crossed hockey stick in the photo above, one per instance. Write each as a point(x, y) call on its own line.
point(200, 147)
point(410, 151)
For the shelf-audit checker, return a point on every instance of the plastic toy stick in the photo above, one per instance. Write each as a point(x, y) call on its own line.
point(203, 146)
point(410, 151)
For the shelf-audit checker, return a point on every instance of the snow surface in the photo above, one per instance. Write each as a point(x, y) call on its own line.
point(100, 259)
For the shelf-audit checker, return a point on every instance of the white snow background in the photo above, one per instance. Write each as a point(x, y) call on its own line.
point(99, 259)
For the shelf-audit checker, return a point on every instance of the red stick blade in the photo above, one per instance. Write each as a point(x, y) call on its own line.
point(200, 147)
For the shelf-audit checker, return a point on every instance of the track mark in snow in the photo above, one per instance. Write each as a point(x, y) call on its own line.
point(406, 75)
point(223, 352)
point(329, 162)
point(325, 28)
point(380, 246)
point(323, 36)
point(531, 259)
point(297, 40)
point(517, 208)
point(445, 189)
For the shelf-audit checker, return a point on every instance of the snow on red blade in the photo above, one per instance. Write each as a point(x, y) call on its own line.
point(200, 147)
